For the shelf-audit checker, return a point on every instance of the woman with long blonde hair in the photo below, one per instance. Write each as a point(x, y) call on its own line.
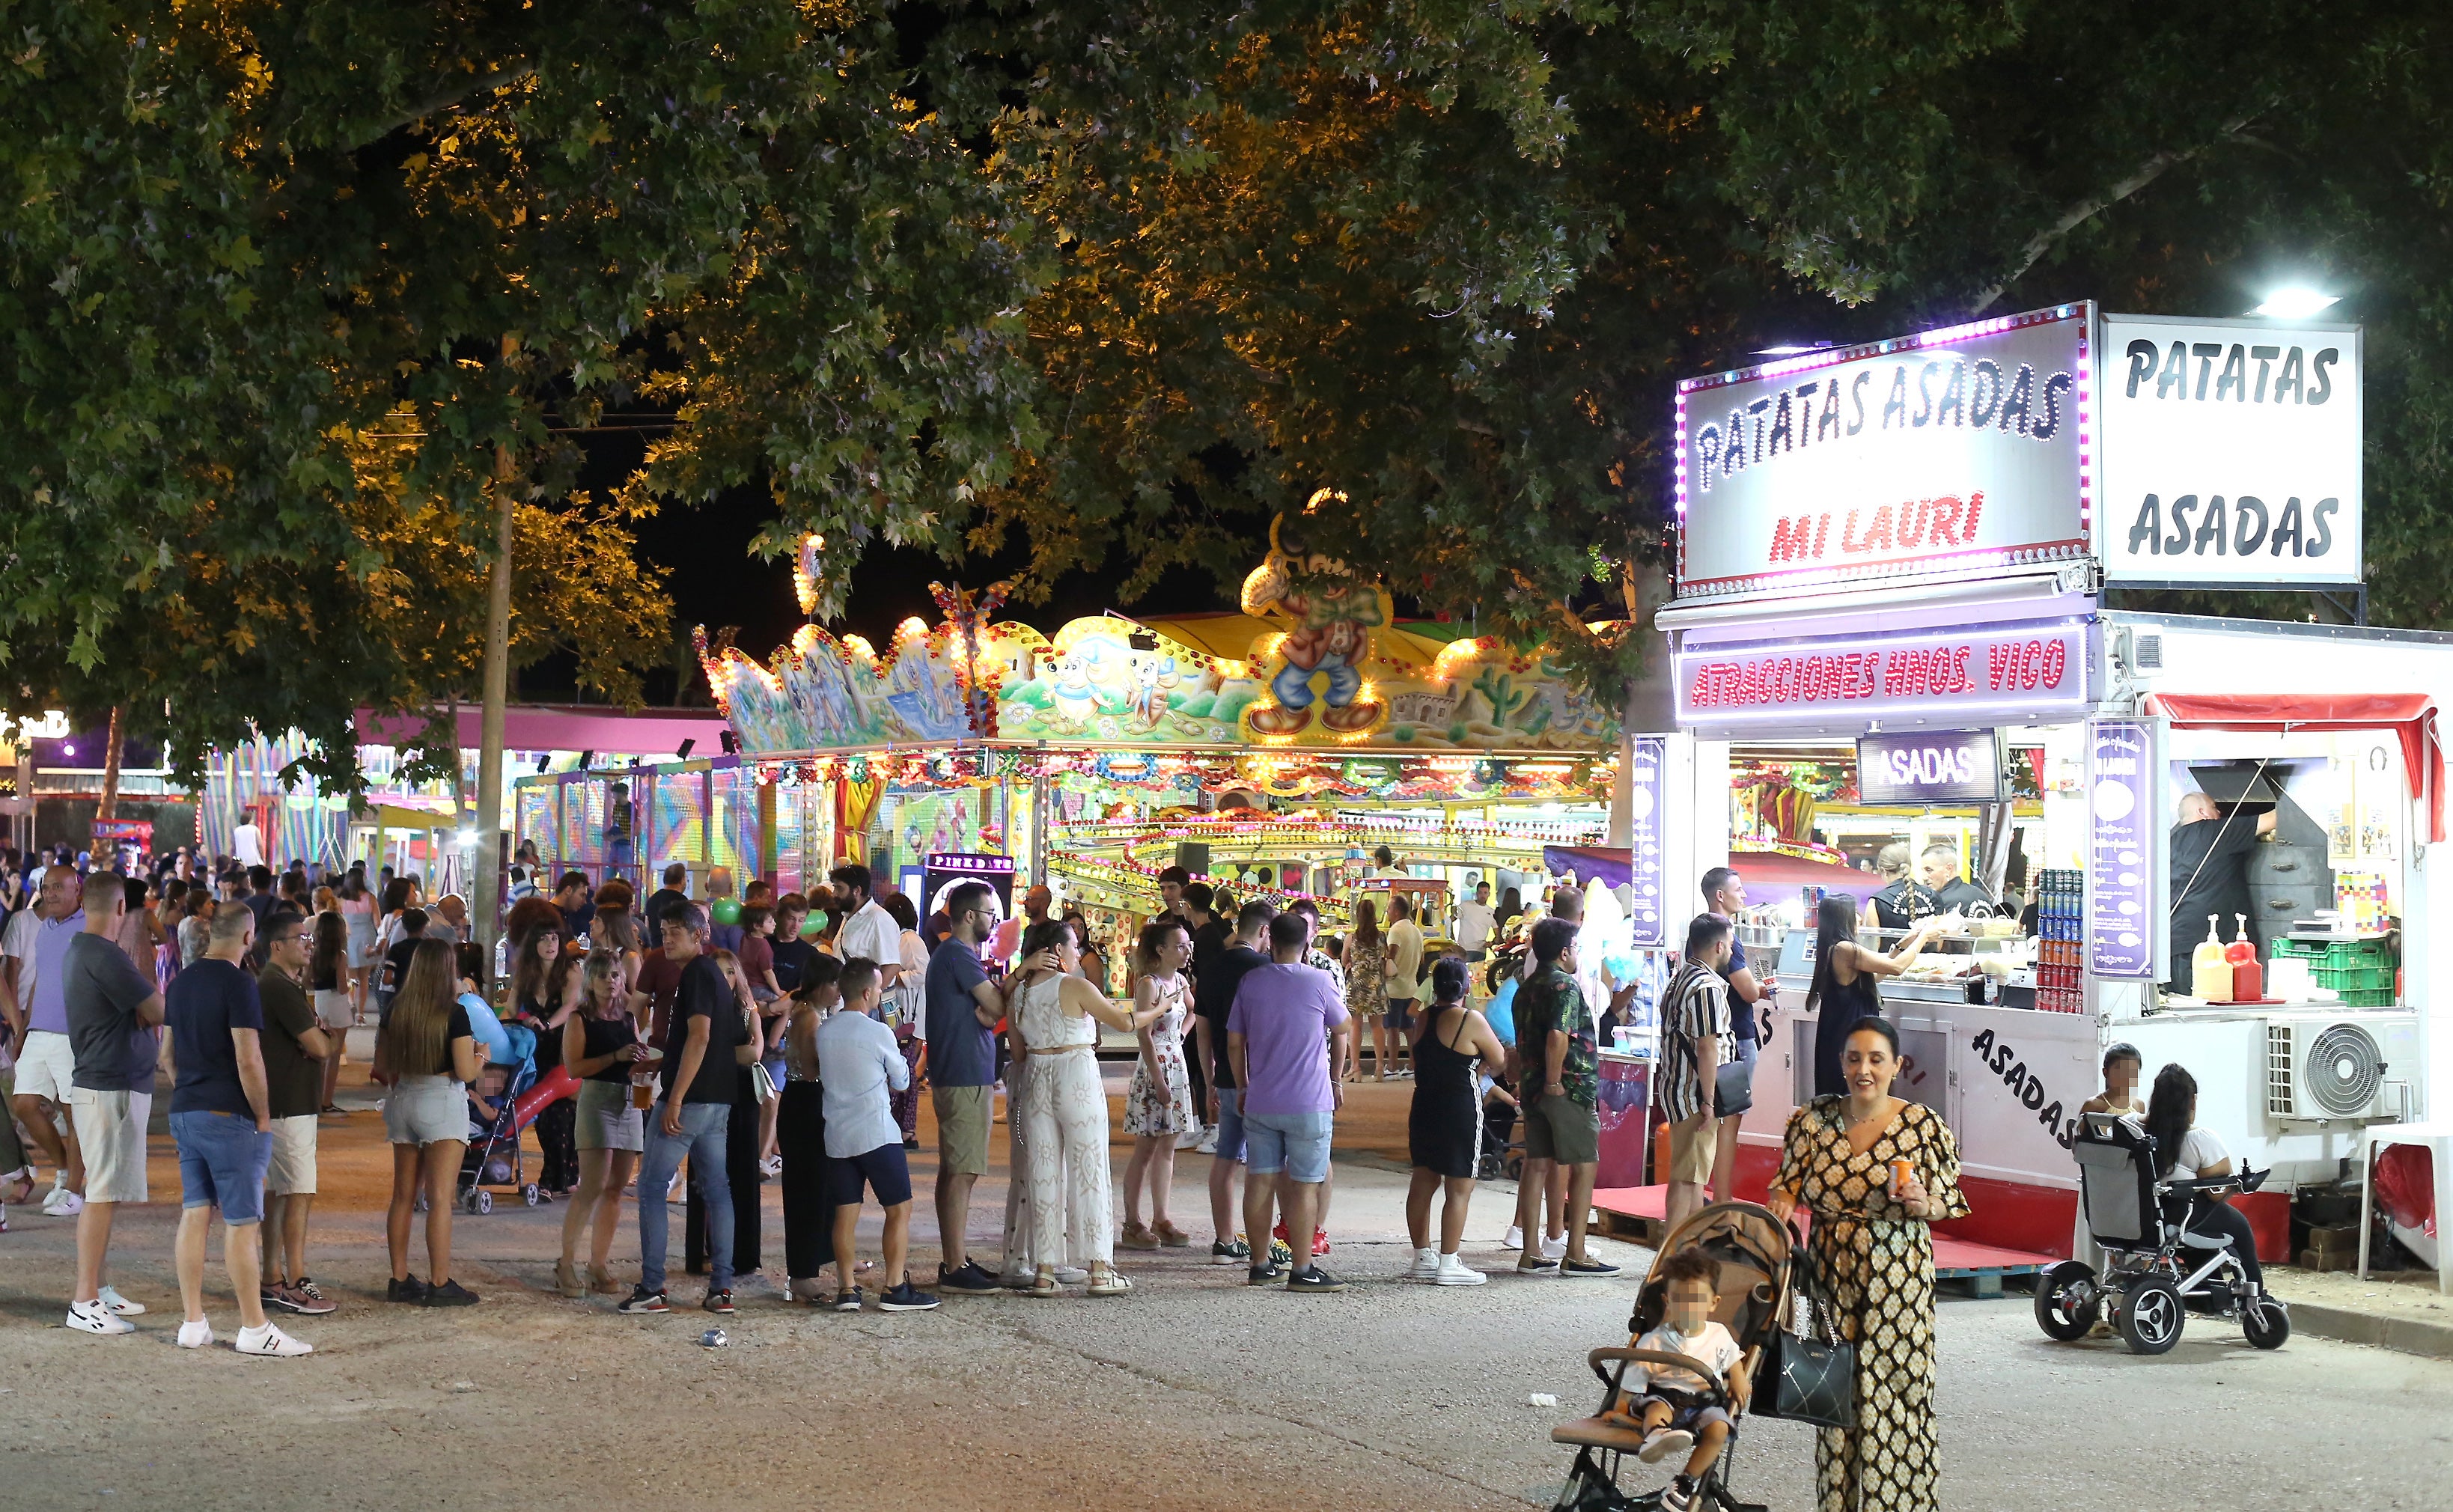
point(428, 1054)
point(600, 1045)
point(1367, 970)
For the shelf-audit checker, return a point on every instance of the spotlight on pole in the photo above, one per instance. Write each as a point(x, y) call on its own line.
point(682, 754)
point(2295, 302)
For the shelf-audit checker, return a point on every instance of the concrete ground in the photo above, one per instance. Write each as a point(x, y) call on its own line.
point(1195, 1392)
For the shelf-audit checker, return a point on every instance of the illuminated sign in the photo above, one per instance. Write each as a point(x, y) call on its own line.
point(2123, 837)
point(2231, 452)
point(52, 725)
point(1948, 452)
point(1940, 766)
point(1907, 676)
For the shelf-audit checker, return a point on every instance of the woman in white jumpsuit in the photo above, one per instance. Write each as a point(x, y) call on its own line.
point(1064, 1107)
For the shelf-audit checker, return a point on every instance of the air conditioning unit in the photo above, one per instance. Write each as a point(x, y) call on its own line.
point(2340, 1066)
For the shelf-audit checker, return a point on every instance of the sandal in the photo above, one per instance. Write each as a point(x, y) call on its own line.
point(1044, 1283)
point(602, 1282)
point(1106, 1283)
point(1137, 1237)
point(566, 1279)
point(1172, 1237)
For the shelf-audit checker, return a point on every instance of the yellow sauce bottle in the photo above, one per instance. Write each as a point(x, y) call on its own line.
point(2209, 972)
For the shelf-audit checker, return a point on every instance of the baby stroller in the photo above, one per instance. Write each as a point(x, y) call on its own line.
point(1501, 1154)
point(1757, 1270)
point(2157, 1269)
point(493, 1156)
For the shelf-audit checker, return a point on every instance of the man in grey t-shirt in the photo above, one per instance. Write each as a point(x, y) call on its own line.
point(113, 1013)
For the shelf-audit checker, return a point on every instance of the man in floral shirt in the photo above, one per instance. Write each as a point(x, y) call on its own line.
point(1561, 1093)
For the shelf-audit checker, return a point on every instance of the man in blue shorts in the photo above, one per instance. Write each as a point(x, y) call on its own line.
point(1287, 1028)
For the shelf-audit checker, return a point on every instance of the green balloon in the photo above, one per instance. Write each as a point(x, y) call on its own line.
point(727, 911)
point(813, 925)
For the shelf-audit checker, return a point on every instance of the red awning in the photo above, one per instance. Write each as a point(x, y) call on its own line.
point(2410, 716)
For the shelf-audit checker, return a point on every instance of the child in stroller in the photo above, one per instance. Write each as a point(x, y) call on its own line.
point(1729, 1263)
point(1678, 1412)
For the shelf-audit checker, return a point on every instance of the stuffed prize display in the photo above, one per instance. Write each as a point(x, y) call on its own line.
point(726, 911)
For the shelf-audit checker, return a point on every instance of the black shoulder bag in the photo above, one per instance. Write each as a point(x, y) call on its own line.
point(1809, 1377)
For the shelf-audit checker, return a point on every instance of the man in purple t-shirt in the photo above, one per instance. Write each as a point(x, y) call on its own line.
point(1287, 1028)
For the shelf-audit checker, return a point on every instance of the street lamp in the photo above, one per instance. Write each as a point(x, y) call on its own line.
point(2294, 302)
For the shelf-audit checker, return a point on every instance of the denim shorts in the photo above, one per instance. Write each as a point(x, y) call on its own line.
point(1230, 1125)
point(1296, 1143)
point(222, 1160)
point(1397, 1014)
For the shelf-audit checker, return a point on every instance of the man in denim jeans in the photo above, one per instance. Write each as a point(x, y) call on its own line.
point(703, 1046)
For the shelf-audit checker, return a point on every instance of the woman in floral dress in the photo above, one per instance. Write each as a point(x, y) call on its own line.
point(1367, 970)
point(1874, 1242)
point(1158, 1106)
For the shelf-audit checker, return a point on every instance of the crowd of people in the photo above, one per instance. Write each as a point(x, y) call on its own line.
point(789, 1043)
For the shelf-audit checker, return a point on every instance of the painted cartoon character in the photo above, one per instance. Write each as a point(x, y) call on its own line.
point(1154, 676)
point(1333, 613)
point(1072, 700)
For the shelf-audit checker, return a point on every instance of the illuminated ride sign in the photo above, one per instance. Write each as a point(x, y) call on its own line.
point(1930, 455)
point(1915, 677)
point(1936, 767)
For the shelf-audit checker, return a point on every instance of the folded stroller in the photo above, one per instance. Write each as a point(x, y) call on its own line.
point(1757, 1270)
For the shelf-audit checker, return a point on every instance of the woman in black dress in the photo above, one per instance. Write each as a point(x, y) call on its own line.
point(1843, 990)
point(546, 988)
point(1453, 1044)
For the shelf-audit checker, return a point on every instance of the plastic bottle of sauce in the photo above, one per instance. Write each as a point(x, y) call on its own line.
point(2247, 972)
point(2209, 968)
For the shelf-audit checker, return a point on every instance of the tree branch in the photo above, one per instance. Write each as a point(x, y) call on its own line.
point(443, 100)
point(2086, 209)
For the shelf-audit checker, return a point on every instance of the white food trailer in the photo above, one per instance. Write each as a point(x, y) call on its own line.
point(1914, 538)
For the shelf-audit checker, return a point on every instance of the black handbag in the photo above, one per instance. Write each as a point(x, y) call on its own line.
point(1809, 1377)
point(1734, 1088)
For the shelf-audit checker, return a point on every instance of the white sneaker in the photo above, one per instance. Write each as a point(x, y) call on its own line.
point(1555, 1249)
point(1071, 1275)
point(1209, 1145)
point(1513, 1238)
point(1426, 1265)
point(94, 1318)
point(197, 1335)
point(61, 1202)
point(771, 1165)
point(109, 1296)
point(1662, 1443)
point(269, 1339)
point(1189, 1139)
point(1453, 1271)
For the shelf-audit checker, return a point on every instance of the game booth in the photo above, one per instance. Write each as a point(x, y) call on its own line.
point(1890, 643)
point(1271, 751)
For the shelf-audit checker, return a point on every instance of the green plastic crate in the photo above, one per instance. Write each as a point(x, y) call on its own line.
point(2339, 955)
point(2380, 997)
point(2354, 979)
point(2310, 950)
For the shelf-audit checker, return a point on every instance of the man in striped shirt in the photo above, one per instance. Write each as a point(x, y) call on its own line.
point(1696, 1039)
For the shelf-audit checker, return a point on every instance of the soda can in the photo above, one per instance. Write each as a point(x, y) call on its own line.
point(713, 1339)
point(1900, 1170)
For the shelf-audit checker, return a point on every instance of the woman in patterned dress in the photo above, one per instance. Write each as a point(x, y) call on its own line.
point(1873, 1240)
point(1366, 970)
point(1159, 1105)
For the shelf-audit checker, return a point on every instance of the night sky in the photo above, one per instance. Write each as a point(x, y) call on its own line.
point(716, 582)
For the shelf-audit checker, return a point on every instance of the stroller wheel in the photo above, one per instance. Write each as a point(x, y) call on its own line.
point(530, 1193)
point(2068, 1302)
point(2152, 1315)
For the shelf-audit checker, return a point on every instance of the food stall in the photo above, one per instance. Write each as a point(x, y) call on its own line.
point(1892, 569)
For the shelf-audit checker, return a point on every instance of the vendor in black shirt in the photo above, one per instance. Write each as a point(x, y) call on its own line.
point(1938, 869)
point(1901, 903)
point(2209, 873)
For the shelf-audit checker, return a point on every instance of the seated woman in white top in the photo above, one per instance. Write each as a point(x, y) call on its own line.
point(1056, 1016)
point(2183, 1150)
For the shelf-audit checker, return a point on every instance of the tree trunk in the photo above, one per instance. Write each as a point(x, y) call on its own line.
point(486, 915)
point(110, 804)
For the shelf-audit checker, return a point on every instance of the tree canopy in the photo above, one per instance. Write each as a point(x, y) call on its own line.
point(294, 292)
